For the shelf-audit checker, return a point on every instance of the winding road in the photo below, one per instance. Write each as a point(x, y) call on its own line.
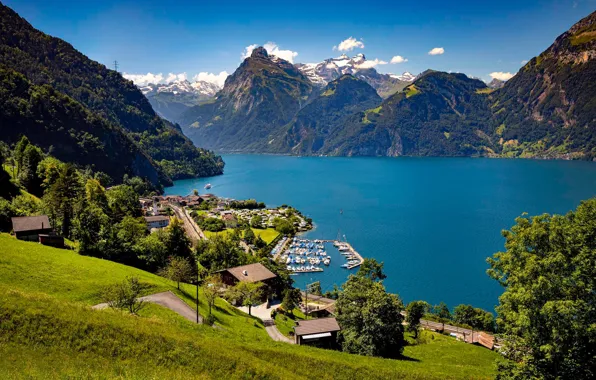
point(168, 300)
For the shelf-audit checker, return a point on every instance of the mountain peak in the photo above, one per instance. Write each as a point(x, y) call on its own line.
point(259, 52)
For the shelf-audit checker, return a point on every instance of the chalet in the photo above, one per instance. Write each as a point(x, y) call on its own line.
point(30, 227)
point(247, 273)
point(321, 332)
point(157, 221)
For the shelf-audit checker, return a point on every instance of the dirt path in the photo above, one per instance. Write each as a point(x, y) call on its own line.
point(169, 300)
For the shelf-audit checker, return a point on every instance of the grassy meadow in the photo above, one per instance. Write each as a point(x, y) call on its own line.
point(48, 330)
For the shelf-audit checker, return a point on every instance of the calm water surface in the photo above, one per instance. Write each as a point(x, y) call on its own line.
point(432, 221)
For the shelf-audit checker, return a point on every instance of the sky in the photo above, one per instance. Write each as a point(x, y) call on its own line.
point(165, 40)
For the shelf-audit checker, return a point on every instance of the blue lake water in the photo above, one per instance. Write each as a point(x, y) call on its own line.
point(432, 221)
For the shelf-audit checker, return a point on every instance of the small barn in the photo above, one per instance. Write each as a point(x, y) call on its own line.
point(321, 332)
point(30, 227)
point(157, 221)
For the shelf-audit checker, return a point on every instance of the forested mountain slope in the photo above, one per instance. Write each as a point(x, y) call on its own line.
point(104, 93)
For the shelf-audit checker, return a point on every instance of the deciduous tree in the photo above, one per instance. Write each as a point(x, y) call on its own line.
point(370, 319)
point(548, 310)
point(415, 311)
point(179, 269)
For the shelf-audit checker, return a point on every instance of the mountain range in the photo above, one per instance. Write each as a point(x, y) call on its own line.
point(85, 113)
point(547, 110)
point(170, 100)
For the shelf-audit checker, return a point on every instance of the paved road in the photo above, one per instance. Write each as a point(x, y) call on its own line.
point(169, 300)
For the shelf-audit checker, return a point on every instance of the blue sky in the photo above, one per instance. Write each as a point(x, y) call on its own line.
point(478, 37)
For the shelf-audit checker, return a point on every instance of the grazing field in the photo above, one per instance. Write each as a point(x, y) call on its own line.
point(268, 234)
point(48, 330)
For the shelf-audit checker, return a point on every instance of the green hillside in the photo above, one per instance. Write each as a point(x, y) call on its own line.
point(48, 330)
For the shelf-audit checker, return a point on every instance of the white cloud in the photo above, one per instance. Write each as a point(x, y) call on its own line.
point(272, 49)
point(524, 61)
point(371, 63)
point(501, 75)
point(349, 44)
point(144, 79)
point(398, 59)
point(436, 51)
point(218, 79)
point(176, 77)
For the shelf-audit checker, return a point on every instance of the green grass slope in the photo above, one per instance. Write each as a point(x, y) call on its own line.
point(48, 330)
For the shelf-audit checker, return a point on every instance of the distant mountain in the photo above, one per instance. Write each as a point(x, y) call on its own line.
point(330, 69)
point(438, 115)
point(405, 77)
point(86, 113)
point(547, 110)
point(171, 100)
point(324, 117)
point(262, 95)
point(496, 83)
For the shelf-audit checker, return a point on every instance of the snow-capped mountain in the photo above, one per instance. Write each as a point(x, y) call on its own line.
point(330, 69)
point(406, 77)
point(204, 88)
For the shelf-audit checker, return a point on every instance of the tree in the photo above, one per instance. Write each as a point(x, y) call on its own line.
point(260, 243)
point(370, 319)
point(96, 194)
point(61, 197)
point(415, 310)
point(131, 230)
point(547, 311)
point(88, 224)
point(211, 290)
point(442, 312)
point(123, 201)
point(19, 151)
point(249, 236)
point(256, 221)
point(474, 317)
point(220, 252)
point(152, 250)
point(177, 242)
point(195, 192)
point(372, 269)
point(28, 178)
point(283, 226)
point(292, 298)
point(247, 293)
point(315, 288)
point(332, 294)
point(125, 295)
point(179, 269)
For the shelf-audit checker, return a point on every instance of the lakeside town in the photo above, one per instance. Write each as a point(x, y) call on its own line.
point(208, 215)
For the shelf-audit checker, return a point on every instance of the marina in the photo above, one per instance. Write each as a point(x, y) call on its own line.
point(309, 256)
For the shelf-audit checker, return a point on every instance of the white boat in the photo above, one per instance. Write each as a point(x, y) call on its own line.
point(208, 186)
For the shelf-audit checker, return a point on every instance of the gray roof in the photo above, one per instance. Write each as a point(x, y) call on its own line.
point(251, 273)
point(316, 326)
point(30, 223)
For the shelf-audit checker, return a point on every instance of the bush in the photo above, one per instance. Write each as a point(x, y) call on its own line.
point(125, 296)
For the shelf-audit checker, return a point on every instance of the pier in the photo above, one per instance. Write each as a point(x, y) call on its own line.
point(351, 250)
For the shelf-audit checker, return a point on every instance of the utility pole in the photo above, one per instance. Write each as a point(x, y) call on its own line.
point(197, 296)
point(308, 288)
point(115, 65)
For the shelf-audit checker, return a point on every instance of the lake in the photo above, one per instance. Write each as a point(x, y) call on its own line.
point(432, 221)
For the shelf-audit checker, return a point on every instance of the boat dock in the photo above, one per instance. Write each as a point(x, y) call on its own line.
point(308, 256)
point(351, 251)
